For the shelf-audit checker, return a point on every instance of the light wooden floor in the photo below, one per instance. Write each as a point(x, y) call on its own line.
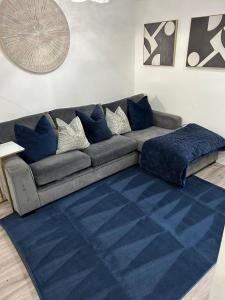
point(15, 284)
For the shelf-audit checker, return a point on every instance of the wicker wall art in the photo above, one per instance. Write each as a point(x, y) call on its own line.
point(34, 34)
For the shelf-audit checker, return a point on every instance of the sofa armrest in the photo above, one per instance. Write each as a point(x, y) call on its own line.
point(21, 184)
point(165, 120)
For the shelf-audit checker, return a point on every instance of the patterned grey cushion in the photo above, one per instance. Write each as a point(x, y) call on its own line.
point(71, 136)
point(117, 121)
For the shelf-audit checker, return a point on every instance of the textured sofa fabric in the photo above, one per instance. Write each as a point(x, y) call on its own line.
point(141, 136)
point(169, 156)
point(201, 163)
point(74, 182)
point(122, 103)
point(160, 119)
point(68, 114)
point(165, 120)
point(59, 166)
point(111, 149)
point(21, 184)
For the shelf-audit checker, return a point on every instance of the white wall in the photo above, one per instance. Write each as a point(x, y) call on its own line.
point(198, 95)
point(99, 67)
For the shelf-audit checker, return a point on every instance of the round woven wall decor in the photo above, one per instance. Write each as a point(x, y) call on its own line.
point(34, 34)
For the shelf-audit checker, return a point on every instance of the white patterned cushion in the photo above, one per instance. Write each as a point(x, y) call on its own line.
point(71, 136)
point(117, 122)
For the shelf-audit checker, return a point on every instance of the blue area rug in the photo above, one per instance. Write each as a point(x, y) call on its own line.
point(130, 236)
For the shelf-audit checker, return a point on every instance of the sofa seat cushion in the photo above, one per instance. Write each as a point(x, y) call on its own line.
point(57, 167)
point(141, 136)
point(111, 149)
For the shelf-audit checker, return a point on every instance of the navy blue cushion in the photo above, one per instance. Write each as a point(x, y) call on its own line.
point(140, 114)
point(95, 126)
point(38, 143)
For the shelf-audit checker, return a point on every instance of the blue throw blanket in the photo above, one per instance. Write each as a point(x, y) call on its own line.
point(169, 156)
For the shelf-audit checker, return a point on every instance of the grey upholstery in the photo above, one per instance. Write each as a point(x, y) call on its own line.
point(201, 163)
point(122, 103)
point(56, 167)
point(68, 114)
point(141, 136)
point(111, 149)
point(70, 184)
point(160, 119)
point(21, 184)
point(165, 120)
point(7, 128)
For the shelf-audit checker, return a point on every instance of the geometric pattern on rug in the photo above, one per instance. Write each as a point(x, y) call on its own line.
point(129, 236)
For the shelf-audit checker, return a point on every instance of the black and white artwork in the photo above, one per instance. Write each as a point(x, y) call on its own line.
point(159, 43)
point(207, 42)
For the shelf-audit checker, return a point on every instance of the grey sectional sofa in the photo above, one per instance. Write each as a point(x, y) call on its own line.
point(54, 177)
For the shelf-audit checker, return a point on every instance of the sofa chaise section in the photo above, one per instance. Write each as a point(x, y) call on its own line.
point(163, 123)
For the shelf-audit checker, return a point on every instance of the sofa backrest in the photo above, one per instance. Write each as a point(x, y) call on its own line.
point(7, 128)
point(68, 114)
point(122, 103)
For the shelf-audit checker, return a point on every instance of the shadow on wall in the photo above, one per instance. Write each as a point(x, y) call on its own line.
point(156, 104)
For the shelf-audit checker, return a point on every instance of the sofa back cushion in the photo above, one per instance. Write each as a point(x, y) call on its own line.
point(68, 114)
point(122, 103)
point(65, 114)
point(7, 132)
